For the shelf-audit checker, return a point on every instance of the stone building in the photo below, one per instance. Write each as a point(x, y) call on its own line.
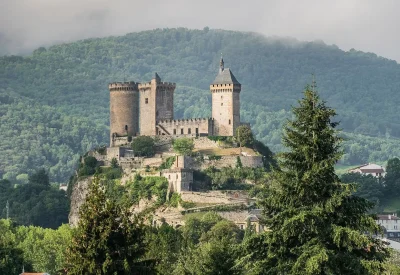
point(147, 109)
point(180, 178)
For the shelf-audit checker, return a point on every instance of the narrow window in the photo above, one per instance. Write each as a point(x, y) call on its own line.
point(182, 131)
point(197, 131)
point(126, 127)
point(146, 100)
point(222, 104)
point(229, 122)
point(174, 131)
point(189, 131)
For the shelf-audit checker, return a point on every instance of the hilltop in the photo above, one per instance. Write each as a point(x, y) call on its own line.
point(54, 102)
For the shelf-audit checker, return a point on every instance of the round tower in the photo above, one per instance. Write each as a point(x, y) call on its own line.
point(124, 110)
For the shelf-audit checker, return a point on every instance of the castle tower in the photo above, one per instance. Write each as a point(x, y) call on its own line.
point(156, 103)
point(225, 91)
point(124, 110)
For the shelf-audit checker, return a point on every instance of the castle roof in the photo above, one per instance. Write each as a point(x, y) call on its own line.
point(225, 76)
point(157, 77)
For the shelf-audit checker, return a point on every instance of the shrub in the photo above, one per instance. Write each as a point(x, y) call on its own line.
point(143, 146)
point(183, 146)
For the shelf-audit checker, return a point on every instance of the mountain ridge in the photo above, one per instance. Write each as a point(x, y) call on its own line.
point(73, 78)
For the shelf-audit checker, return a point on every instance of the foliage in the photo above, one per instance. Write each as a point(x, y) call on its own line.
point(35, 203)
point(143, 146)
point(39, 177)
point(167, 163)
point(183, 146)
point(210, 246)
point(114, 163)
point(55, 102)
point(244, 135)
point(226, 178)
point(174, 200)
point(163, 245)
point(317, 225)
point(107, 239)
point(392, 178)
point(218, 138)
point(44, 248)
point(268, 157)
point(368, 187)
point(11, 257)
point(88, 166)
point(148, 188)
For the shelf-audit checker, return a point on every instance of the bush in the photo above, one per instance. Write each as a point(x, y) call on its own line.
point(167, 163)
point(143, 146)
point(183, 146)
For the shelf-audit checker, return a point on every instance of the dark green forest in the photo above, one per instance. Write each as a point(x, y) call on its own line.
point(54, 102)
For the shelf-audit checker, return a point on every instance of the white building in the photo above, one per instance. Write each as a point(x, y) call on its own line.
point(369, 169)
point(390, 225)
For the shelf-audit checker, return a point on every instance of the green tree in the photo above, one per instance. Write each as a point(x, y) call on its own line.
point(11, 257)
point(368, 187)
point(39, 177)
point(316, 225)
point(143, 146)
point(44, 248)
point(107, 240)
point(114, 163)
point(392, 178)
point(211, 246)
point(183, 146)
point(244, 135)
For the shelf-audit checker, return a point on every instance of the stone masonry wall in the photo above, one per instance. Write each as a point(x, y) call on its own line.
point(185, 127)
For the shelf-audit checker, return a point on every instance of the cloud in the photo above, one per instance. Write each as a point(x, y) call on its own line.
point(366, 25)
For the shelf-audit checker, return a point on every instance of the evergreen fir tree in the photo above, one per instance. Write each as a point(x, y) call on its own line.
point(107, 240)
point(317, 226)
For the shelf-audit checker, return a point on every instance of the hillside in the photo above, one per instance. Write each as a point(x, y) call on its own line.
point(55, 102)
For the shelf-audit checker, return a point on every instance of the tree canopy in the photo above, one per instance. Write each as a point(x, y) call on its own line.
point(183, 146)
point(317, 226)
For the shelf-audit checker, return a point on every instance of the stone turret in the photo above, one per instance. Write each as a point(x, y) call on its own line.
point(225, 92)
point(124, 110)
point(156, 103)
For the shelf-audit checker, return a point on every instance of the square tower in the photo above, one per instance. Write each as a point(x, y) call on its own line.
point(225, 91)
point(156, 103)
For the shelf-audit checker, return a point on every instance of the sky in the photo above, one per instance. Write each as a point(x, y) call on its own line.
point(366, 25)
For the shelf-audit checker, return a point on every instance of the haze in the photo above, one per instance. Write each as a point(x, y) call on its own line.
point(370, 26)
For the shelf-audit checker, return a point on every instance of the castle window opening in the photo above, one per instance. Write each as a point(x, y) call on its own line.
point(229, 122)
point(176, 176)
point(197, 131)
point(174, 131)
point(146, 100)
point(182, 131)
point(189, 131)
point(126, 127)
point(222, 104)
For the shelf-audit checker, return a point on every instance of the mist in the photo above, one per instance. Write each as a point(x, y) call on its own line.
point(366, 25)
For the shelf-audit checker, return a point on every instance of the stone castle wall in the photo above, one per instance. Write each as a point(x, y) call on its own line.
point(185, 127)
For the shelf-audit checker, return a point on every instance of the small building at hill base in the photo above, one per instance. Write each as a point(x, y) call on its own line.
point(369, 169)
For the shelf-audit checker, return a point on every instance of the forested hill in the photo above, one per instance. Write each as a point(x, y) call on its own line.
point(55, 102)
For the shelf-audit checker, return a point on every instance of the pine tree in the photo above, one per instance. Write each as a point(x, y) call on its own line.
point(317, 226)
point(107, 240)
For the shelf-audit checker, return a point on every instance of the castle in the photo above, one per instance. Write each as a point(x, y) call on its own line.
point(147, 109)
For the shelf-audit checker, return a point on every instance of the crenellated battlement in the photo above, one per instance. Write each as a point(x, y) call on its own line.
point(166, 85)
point(183, 121)
point(123, 86)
